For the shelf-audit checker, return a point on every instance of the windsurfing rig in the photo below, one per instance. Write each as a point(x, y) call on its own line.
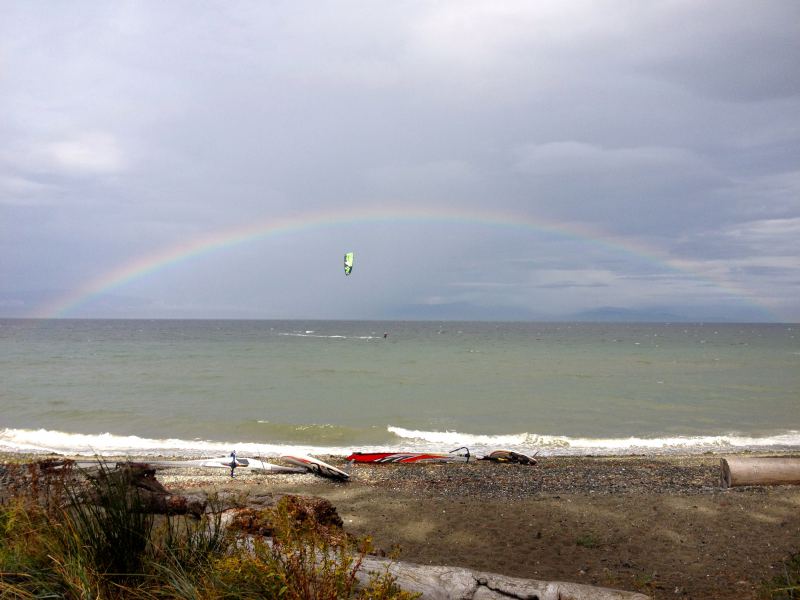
point(458, 455)
point(300, 464)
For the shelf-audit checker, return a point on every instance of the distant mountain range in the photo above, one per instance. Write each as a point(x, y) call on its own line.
point(667, 315)
point(462, 311)
point(116, 306)
point(611, 313)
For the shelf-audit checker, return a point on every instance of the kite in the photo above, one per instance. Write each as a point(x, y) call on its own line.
point(348, 263)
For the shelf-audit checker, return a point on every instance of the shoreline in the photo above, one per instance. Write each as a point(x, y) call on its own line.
point(339, 454)
point(43, 441)
point(601, 474)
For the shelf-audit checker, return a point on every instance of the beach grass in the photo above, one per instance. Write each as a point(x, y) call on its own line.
point(63, 536)
point(785, 586)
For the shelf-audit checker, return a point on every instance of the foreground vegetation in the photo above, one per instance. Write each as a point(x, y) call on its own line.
point(63, 536)
point(785, 586)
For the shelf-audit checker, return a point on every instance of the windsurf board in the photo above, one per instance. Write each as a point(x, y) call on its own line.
point(225, 462)
point(500, 456)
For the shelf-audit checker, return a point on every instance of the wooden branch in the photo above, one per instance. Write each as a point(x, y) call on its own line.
point(777, 470)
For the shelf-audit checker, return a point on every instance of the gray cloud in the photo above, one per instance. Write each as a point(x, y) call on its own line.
point(743, 54)
point(671, 130)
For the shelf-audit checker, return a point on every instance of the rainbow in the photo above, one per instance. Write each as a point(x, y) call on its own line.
point(214, 241)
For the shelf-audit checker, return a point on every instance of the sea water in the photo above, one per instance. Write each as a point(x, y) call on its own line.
point(330, 387)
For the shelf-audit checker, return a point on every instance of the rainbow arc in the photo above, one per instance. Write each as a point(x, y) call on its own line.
point(215, 241)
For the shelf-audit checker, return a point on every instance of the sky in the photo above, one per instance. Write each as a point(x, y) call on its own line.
point(484, 160)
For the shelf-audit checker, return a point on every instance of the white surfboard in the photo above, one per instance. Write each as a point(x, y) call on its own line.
point(252, 464)
point(224, 462)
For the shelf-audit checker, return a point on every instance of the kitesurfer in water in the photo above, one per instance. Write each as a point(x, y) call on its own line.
point(385, 334)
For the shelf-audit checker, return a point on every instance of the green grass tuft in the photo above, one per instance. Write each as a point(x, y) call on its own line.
point(785, 586)
point(588, 540)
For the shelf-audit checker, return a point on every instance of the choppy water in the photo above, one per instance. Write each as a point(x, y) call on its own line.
point(329, 387)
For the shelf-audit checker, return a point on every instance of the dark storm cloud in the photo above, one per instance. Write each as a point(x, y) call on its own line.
point(669, 127)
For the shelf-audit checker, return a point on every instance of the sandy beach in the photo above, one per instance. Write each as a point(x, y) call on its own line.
point(659, 525)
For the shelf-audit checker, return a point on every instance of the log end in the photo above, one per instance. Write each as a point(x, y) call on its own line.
point(724, 474)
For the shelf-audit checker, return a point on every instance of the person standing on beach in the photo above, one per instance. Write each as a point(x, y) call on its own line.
point(233, 462)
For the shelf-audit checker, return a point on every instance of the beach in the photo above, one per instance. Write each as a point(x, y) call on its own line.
point(659, 525)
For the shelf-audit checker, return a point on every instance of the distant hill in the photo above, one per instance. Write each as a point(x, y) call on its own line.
point(612, 313)
point(464, 311)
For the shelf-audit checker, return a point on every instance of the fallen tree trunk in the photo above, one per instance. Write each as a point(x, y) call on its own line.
point(151, 495)
point(455, 583)
point(779, 470)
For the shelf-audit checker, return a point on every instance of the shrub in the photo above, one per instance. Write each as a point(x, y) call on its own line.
point(94, 539)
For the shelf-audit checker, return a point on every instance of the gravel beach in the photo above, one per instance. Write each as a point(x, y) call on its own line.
point(661, 525)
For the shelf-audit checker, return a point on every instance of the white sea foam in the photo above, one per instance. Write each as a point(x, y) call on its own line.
point(331, 337)
point(42, 441)
point(563, 445)
point(107, 444)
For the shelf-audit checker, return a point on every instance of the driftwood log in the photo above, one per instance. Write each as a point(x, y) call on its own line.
point(778, 470)
point(152, 496)
point(455, 583)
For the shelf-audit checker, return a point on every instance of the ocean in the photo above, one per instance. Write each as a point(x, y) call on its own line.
point(265, 388)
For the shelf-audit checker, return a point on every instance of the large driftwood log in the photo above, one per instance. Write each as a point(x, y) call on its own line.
point(759, 471)
point(152, 496)
point(455, 583)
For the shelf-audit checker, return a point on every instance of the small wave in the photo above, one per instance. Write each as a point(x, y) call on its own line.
point(43, 441)
point(319, 434)
point(564, 445)
point(330, 337)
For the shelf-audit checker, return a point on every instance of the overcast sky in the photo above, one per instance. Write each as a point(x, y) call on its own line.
point(649, 153)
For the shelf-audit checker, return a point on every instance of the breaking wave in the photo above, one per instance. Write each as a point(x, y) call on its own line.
point(311, 334)
point(563, 445)
point(44, 441)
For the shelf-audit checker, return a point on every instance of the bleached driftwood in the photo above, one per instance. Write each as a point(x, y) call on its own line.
point(759, 471)
point(455, 583)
